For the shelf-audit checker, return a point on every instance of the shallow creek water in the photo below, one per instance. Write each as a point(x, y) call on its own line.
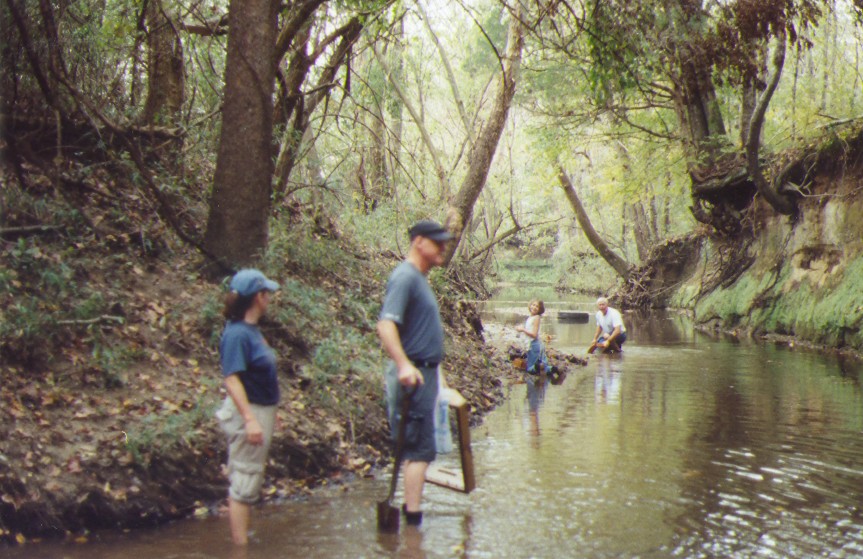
point(684, 446)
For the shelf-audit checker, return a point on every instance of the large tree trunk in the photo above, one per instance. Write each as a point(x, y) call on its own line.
point(621, 266)
point(748, 98)
point(697, 106)
point(641, 230)
point(461, 207)
point(240, 204)
point(749, 88)
point(165, 68)
point(692, 73)
point(377, 153)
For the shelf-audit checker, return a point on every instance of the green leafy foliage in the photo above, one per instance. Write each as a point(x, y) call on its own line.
point(40, 292)
point(157, 432)
point(483, 45)
point(344, 350)
point(113, 360)
point(304, 306)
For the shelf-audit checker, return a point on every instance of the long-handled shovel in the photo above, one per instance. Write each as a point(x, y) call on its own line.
point(388, 515)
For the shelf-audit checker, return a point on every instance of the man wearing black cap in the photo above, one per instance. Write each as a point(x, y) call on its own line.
point(412, 334)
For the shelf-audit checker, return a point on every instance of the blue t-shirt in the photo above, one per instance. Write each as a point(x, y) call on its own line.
point(245, 352)
point(412, 305)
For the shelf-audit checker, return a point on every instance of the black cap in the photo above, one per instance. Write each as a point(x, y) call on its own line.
point(430, 230)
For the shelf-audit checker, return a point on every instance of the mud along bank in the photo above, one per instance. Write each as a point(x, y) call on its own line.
point(797, 277)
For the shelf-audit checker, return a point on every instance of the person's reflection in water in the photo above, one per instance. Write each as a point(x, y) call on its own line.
point(407, 544)
point(239, 552)
point(413, 544)
point(535, 396)
point(607, 387)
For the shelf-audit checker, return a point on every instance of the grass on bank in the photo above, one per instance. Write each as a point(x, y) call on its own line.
point(787, 301)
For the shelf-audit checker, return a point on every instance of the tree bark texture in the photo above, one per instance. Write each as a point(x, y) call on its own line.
point(621, 266)
point(748, 97)
point(165, 69)
point(291, 82)
point(380, 189)
point(691, 72)
point(780, 203)
point(300, 14)
point(237, 226)
point(641, 230)
point(697, 107)
point(461, 206)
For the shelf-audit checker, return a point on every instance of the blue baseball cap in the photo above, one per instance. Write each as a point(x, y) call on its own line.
point(249, 281)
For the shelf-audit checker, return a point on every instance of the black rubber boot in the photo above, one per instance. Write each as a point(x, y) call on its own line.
point(413, 518)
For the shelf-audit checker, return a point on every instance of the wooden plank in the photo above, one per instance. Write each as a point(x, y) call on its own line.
point(443, 476)
point(463, 422)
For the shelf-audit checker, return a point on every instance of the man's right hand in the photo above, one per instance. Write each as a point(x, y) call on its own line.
point(410, 376)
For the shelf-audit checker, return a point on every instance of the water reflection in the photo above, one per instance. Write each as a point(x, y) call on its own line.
point(535, 395)
point(408, 544)
point(849, 369)
point(607, 378)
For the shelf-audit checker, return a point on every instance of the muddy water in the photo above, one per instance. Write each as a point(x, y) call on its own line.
point(684, 446)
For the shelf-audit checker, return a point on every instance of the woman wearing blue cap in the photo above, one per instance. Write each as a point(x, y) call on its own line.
point(248, 414)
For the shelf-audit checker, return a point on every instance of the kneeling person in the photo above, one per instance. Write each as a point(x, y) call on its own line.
point(610, 331)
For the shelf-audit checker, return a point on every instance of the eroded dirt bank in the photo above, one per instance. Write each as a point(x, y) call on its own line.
point(796, 280)
point(90, 448)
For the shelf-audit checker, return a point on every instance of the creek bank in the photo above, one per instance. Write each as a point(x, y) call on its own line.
point(88, 448)
point(795, 280)
point(791, 280)
point(715, 329)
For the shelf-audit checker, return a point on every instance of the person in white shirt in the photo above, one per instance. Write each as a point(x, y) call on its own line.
point(610, 331)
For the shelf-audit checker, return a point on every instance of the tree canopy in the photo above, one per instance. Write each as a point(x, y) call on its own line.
point(666, 112)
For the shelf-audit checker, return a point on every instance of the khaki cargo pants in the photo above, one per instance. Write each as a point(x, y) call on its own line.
point(246, 461)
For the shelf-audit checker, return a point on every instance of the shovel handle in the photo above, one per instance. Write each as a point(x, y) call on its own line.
point(400, 442)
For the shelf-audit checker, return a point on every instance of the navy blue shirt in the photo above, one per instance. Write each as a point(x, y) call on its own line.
point(246, 353)
point(412, 305)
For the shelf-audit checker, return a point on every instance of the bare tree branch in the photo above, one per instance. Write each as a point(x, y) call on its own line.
point(433, 152)
point(453, 84)
point(780, 203)
point(621, 266)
